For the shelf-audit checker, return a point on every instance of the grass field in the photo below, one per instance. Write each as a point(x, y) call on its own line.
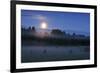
point(31, 53)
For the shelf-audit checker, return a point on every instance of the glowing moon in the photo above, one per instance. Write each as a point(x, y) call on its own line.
point(43, 25)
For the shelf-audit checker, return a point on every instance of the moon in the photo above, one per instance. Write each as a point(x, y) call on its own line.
point(43, 25)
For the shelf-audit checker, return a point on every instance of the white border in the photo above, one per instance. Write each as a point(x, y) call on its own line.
point(20, 65)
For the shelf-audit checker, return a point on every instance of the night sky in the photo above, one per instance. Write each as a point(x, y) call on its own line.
point(65, 21)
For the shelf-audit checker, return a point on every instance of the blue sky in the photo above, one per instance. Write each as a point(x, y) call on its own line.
point(65, 21)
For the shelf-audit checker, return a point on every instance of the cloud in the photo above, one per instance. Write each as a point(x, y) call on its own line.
point(39, 17)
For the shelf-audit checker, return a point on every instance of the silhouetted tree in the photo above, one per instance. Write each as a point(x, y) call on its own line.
point(29, 28)
point(74, 34)
point(33, 28)
point(81, 35)
point(57, 32)
point(23, 28)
